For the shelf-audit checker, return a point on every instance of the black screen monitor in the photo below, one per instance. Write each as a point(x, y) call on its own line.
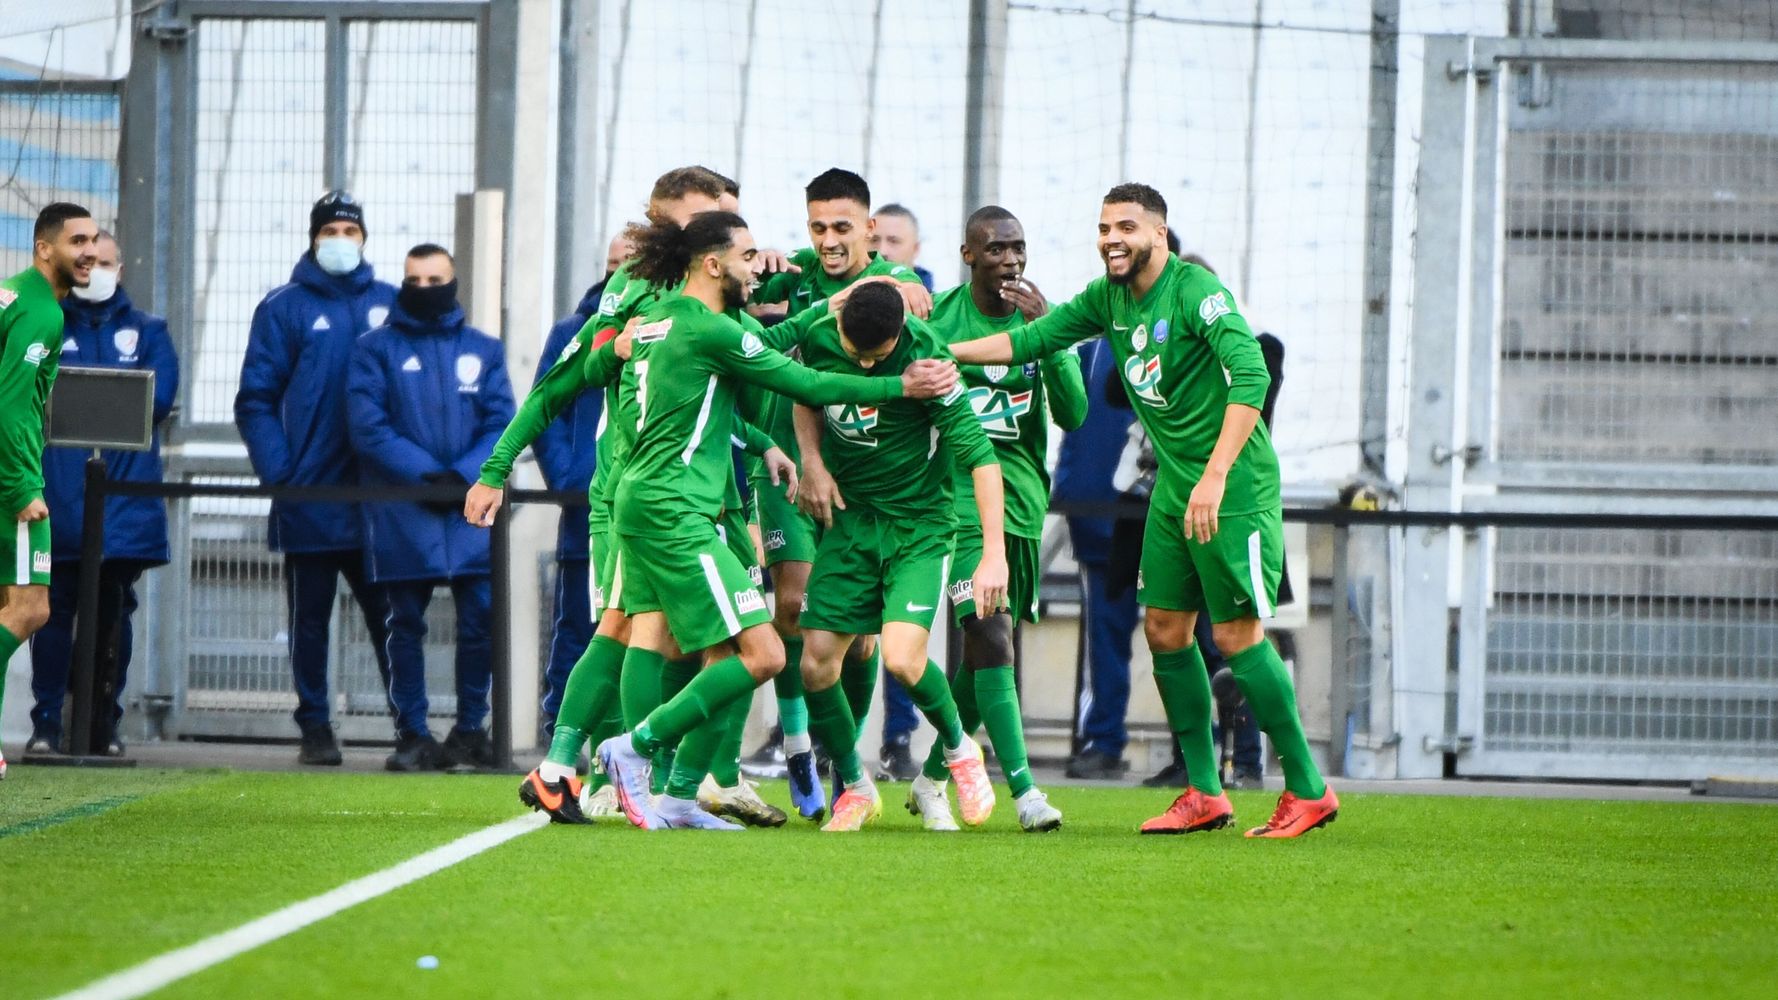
point(102, 408)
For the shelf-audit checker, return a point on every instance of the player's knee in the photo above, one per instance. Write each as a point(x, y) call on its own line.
point(1235, 636)
point(863, 648)
point(762, 653)
point(1167, 630)
point(613, 624)
point(987, 642)
point(818, 676)
point(786, 615)
point(27, 610)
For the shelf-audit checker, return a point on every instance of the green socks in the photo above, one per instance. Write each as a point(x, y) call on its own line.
point(707, 694)
point(696, 753)
point(640, 688)
point(591, 692)
point(9, 644)
point(997, 701)
point(963, 693)
point(858, 678)
point(793, 715)
point(831, 722)
point(1185, 695)
point(726, 768)
point(932, 696)
point(1259, 671)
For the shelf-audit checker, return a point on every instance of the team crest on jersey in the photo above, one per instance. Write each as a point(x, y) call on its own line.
point(1139, 339)
point(35, 354)
point(469, 373)
point(749, 600)
point(1144, 380)
point(1214, 307)
point(853, 423)
point(996, 372)
point(774, 540)
point(126, 340)
point(377, 316)
point(649, 333)
point(1030, 369)
point(7, 297)
point(751, 345)
point(1160, 331)
point(962, 590)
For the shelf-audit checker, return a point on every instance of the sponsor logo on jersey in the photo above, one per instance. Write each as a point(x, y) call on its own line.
point(649, 333)
point(70, 345)
point(1214, 307)
point(598, 596)
point(996, 372)
point(608, 304)
point(469, 373)
point(962, 590)
point(570, 351)
point(7, 297)
point(751, 345)
point(321, 323)
point(1144, 380)
point(378, 315)
point(1160, 331)
point(854, 423)
point(774, 540)
point(35, 354)
point(126, 341)
point(757, 575)
point(918, 608)
point(749, 600)
point(1139, 339)
point(412, 364)
point(40, 562)
point(999, 411)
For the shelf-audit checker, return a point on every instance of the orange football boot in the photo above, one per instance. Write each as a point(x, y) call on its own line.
point(1192, 812)
point(1295, 817)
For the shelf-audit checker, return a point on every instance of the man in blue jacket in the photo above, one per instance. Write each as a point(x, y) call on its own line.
point(1083, 473)
point(101, 329)
point(291, 410)
point(427, 397)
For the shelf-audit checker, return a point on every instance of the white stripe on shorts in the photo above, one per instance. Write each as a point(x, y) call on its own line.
point(718, 591)
point(23, 570)
point(1257, 577)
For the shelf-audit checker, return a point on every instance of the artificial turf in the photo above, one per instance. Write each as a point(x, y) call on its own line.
point(1403, 896)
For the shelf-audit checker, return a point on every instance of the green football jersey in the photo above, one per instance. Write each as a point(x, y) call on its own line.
point(886, 458)
point(570, 376)
point(1012, 402)
point(30, 350)
point(687, 363)
point(1185, 354)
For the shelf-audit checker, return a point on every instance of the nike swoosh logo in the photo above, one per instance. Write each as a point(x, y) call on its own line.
point(1119, 326)
point(919, 607)
point(1020, 771)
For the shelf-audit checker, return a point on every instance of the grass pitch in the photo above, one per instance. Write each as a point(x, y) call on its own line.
point(1403, 896)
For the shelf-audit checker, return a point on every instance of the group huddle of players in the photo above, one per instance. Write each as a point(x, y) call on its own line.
point(896, 446)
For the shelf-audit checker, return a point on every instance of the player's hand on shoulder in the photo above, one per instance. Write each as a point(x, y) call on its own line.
point(783, 472)
point(917, 298)
point(36, 510)
point(1025, 297)
point(928, 378)
point(481, 503)
point(990, 584)
point(818, 495)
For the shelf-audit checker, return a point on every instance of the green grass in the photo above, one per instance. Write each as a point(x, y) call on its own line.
point(1404, 896)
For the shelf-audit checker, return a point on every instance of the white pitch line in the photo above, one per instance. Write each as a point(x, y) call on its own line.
point(176, 965)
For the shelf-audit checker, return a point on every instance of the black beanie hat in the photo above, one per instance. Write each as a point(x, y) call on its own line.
point(334, 206)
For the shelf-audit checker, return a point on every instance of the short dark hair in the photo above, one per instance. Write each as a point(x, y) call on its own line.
point(983, 216)
point(53, 216)
point(681, 181)
point(1140, 194)
point(833, 184)
point(730, 186)
point(872, 315)
point(665, 250)
point(1192, 258)
point(1174, 247)
point(900, 211)
point(430, 250)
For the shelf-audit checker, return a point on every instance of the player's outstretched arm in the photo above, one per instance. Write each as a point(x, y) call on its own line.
point(746, 357)
point(550, 398)
point(995, 349)
point(1065, 389)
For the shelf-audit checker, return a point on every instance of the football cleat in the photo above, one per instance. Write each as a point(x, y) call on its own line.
point(2, 766)
point(684, 814)
point(599, 803)
point(628, 771)
point(854, 808)
point(927, 800)
point(559, 798)
point(975, 793)
point(1191, 812)
point(1036, 815)
point(806, 793)
point(741, 802)
point(1295, 817)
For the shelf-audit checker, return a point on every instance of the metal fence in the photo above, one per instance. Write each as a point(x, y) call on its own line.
point(58, 142)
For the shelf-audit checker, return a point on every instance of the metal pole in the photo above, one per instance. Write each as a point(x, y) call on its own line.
point(1339, 692)
point(982, 108)
point(579, 244)
point(336, 74)
point(1259, 10)
point(500, 634)
point(1379, 235)
point(86, 614)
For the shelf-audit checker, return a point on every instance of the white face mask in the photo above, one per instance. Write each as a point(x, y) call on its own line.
point(338, 254)
point(99, 288)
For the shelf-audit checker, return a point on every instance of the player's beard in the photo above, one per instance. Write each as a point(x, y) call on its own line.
point(65, 271)
point(734, 293)
point(1139, 258)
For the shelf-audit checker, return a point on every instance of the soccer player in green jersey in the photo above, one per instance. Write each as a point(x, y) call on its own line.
point(1215, 535)
point(882, 490)
point(1013, 404)
point(840, 228)
point(679, 577)
point(62, 256)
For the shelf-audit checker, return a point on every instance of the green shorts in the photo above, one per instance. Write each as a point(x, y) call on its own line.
point(1022, 574)
point(872, 569)
point(1235, 575)
point(688, 572)
point(732, 529)
point(789, 535)
point(25, 560)
point(608, 588)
